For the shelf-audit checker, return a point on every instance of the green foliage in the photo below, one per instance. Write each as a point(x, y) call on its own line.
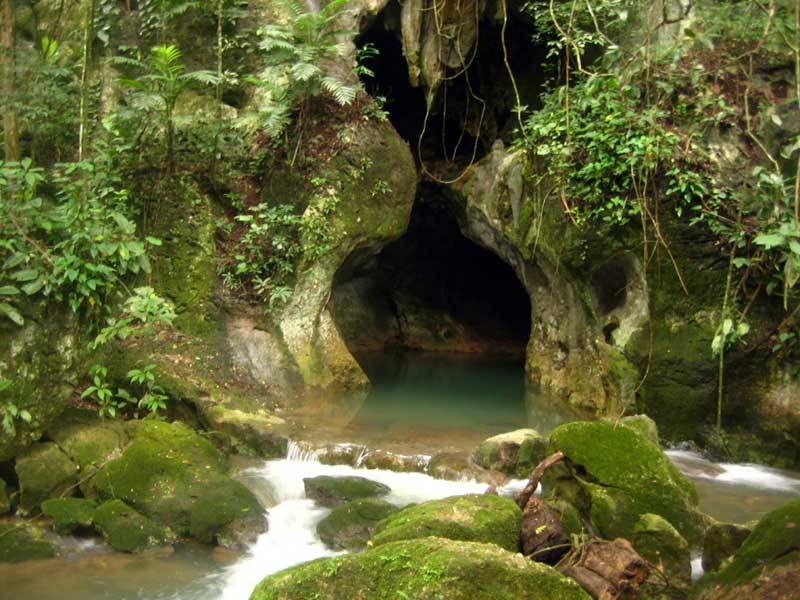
point(295, 54)
point(162, 80)
point(142, 308)
point(11, 413)
point(152, 396)
point(72, 243)
point(99, 390)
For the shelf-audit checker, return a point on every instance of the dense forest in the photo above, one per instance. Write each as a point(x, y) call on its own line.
point(478, 242)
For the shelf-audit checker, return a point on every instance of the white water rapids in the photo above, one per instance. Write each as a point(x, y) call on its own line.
point(292, 536)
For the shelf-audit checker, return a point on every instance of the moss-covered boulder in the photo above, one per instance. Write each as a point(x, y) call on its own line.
point(5, 501)
point(126, 530)
point(614, 475)
point(334, 491)
point(177, 478)
point(775, 538)
point(44, 471)
point(660, 543)
point(570, 516)
point(69, 514)
point(644, 425)
point(475, 518)
point(423, 569)
point(21, 541)
point(514, 453)
point(721, 541)
point(88, 440)
point(349, 526)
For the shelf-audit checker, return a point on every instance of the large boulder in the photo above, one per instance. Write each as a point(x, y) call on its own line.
point(69, 514)
point(334, 491)
point(514, 453)
point(21, 541)
point(44, 471)
point(614, 475)
point(423, 569)
point(474, 518)
point(125, 530)
point(774, 541)
point(660, 543)
point(177, 478)
point(349, 526)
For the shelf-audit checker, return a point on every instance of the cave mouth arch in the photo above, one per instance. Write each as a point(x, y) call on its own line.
point(431, 290)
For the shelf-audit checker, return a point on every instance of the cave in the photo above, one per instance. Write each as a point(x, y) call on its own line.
point(431, 290)
point(472, 108)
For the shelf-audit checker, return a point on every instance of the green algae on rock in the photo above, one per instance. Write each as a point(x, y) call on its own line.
point(475, 518)
point(334, 491)
point(423, 569)
point(126, 530)
point(614, 475)
point(21, 541)
point(349, 526)
point(174, 476)
point(69, 514)
point(44, 471)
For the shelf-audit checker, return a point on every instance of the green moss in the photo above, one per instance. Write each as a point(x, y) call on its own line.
point(644, 425)
point(475, 517)
point(5, 501)
point(422, 569)
point(174, 476)
point(660, 543)
point(69, 514)
point(20, 541)
point(721, 541)
point(349, 527)
point(570, 516)
point(334, 491)
point(775, 535)
point(226, 509)
point(126, 530)
point(630, 477)
point(44, 471)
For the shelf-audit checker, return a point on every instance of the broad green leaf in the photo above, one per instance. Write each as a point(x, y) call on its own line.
point(769, 240)
point(12, 313)
point(8, 290)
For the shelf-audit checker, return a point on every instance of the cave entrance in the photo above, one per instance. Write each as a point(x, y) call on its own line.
point(431, 290)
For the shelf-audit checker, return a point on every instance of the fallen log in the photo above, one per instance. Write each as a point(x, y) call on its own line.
point(521, 498)
point(616, 563)
point(542, 536)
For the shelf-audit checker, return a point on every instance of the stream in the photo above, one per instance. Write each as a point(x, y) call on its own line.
point(432, 407)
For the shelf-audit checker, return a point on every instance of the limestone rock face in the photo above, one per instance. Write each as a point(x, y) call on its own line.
point(424, 569)
point(622, 476)
point(39, 358)
point(44, 471)
point(335, 491)
point(475, 518)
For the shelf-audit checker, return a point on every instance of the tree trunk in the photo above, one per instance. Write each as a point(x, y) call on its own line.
point(7, 47)
point(88, 42)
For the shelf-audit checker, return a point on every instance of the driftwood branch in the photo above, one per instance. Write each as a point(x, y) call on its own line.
point(522, 497)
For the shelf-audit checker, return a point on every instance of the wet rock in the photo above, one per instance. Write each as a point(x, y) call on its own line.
point(341, 454)
point(44, 471)
point(389, 461)
point(474, 517)
point(774, 542)
point(177, 478)
point(349, 526)
point(514, 453)
point(542, 536)
point(721, 541)
point(126, 530)
point(5, 501)
point(69, 514)
point(456, 466)
point(21, 541)
point(423, 569)
point(660, 543)
point(613, 475)
point(334, 491)
point(266, 434)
